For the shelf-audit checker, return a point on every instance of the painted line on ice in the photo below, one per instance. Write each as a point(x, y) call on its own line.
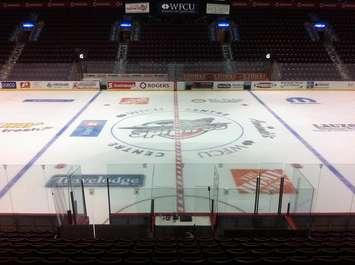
point(180, 203)
point(325, 162)
point(23, 171)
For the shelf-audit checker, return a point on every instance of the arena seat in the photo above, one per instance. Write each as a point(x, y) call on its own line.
point(283, 35)
point(8, 23)
point(168, 46)
point(309, 71)
point(343, 28)
point(252, 247)
point(61, 39)
point(178, 43)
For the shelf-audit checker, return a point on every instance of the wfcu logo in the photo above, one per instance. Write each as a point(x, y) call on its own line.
point(8, 127)
point(182, 7)
point(301, 100)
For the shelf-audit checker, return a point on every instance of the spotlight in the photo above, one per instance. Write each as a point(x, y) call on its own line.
point(319, 25)
point(223, 24)
point(126, 24)
point(27, 25)
point(268, 56)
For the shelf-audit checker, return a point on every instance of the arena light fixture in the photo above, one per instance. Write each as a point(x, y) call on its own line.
point(28, 25)
point(320, 25)
point(125, 24)
point(223, 25)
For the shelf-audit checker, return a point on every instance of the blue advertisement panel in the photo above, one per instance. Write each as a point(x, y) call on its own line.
point(89, 128)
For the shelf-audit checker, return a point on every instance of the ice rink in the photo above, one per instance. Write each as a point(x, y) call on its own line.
point(177, 143)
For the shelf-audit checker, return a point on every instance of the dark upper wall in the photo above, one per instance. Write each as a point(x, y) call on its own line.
point(235, 4)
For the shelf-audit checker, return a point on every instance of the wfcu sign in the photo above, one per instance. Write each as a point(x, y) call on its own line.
point(183, 7)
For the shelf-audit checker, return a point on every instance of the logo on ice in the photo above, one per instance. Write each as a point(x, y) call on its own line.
point(199, 130)
point(165, 128)
point(9, 127)
point(301, 100)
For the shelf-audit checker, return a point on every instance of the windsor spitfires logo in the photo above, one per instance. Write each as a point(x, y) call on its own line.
point(202, 132)
point(166, 128)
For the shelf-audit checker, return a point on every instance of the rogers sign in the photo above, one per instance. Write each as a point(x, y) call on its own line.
point(180, 8)
point(155, 85)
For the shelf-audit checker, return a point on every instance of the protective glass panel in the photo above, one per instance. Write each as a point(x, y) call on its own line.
point(129, 188)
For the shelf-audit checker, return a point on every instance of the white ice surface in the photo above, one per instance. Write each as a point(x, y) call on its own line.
point(154, 155)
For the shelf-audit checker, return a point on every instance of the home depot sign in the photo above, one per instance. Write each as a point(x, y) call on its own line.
point(245, 180)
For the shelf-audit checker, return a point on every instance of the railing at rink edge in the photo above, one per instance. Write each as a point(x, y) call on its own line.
point(218, 71)
point(212, 193)
point(228, 75)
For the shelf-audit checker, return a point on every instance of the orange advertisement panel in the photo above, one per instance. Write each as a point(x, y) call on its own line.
point(245, 180)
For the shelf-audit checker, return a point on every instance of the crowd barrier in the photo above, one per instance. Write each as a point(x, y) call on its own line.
point(229, 85)
point(266, 85)
point(303, 85)
point(170, 85)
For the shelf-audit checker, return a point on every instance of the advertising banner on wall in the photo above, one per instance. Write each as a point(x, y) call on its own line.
point(218, 9)
point(137, 8)
point(60, 4)
point(119, 4)
point(301, 4)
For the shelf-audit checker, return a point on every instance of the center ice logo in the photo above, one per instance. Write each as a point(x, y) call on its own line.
point(165, 128)
point(151, 132)
point(206, 133)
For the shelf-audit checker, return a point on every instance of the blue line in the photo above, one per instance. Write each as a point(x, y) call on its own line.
point(20, 174)
point(309, 147)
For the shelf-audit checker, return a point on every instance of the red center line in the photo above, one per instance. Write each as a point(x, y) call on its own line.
point(180, 203)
